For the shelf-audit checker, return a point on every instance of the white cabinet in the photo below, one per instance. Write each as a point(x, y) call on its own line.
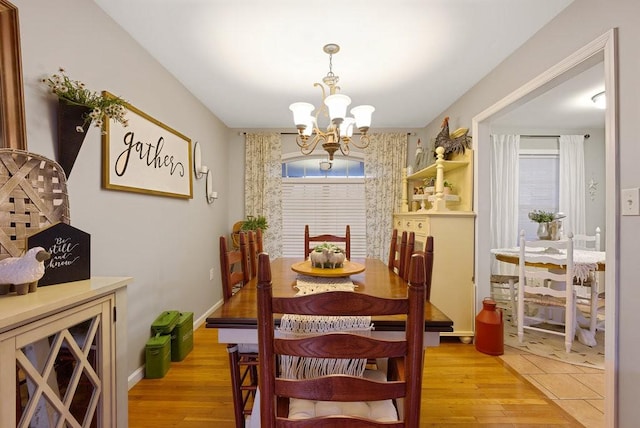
point(58, 352)
point(452, 224)
point(452, 283)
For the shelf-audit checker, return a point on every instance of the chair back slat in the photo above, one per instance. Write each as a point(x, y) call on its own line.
point(340, 388)
point(587, 242)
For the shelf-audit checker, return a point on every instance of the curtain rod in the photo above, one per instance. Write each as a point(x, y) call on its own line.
point(548, 136)
point(295, 133)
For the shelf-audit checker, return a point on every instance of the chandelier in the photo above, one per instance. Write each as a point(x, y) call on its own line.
point(340, 129)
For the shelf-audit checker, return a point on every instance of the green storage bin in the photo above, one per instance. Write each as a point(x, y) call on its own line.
point(165, 322)
point(182, 337)
point(157, 356)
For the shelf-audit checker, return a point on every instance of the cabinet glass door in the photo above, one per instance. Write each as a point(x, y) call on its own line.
point(61, 369)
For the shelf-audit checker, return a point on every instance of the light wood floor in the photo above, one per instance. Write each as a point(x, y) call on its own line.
point(461, 387)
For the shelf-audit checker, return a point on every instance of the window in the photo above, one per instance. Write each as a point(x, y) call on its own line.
point(325, 200)
point(539, 182)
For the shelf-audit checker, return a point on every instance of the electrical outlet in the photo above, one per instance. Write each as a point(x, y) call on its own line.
point(211, 272)
point(629, 200)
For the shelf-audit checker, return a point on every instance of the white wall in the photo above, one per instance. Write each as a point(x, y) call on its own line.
point(580, 23)
point(168, 245)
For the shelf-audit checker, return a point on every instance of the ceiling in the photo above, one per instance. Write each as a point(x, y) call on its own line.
point(569, 105)
point(247, 60)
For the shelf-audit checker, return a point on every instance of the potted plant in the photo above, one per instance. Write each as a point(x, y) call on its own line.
point(253, 223)
point(447, 187)
point(250, 223)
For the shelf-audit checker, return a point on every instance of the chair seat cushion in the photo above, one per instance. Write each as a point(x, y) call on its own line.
point(381, 411)
point(545, 300)
point(248, 348)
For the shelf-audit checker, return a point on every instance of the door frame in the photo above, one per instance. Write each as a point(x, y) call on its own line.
point(603, 49)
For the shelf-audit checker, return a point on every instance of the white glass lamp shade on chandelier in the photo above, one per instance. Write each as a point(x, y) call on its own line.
point(339, 132)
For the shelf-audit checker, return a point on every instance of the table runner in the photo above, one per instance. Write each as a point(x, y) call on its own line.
point(301, 325)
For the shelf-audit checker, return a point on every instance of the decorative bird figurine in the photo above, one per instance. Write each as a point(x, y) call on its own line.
point(23, 272)
point(455, 143)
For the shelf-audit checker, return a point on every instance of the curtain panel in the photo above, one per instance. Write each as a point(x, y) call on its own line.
point(572, 196)
point(504, 152)
point(263, 186)
point(384, 159)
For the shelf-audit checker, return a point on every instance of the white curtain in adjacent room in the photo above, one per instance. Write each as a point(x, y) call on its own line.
point(572, 183)
point(384, 159)
point(263, 186)
point(504, 152)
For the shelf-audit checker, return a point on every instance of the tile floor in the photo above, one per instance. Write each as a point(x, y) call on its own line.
point(578, 390)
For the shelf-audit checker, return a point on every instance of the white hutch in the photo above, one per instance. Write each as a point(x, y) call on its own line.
point(450, 220)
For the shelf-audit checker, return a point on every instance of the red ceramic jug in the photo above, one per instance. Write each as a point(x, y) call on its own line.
point(489, 337)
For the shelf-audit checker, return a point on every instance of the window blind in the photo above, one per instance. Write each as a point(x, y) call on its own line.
point(539, 181)
point(326, 207)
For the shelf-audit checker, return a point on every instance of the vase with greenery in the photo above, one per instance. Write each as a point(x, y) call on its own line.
point(78, 107)
point(547, 227)
point(101, 105)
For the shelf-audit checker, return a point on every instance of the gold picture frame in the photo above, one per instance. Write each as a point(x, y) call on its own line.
point(146, 156)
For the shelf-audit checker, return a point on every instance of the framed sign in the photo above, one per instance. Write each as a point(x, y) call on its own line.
point(146, 157)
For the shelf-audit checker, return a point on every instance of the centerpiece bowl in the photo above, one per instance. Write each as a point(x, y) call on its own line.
point(348, 268)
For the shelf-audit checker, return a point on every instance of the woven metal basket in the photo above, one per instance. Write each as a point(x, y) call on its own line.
point(33, 195)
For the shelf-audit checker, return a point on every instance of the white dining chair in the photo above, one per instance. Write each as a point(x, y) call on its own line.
point(546, 281)
point(588, 290)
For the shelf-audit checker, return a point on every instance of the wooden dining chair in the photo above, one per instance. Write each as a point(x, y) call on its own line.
point(234, 267)
point(427, 253)
point(243, 358)
point(541, 288)
point(252, 253)
point(408, 251)
point(397, 252)
point(358, 400)
point(259, 242)
point(311, 241)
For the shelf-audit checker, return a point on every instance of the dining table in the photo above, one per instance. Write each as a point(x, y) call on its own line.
point(237, 318)
point(584, 261)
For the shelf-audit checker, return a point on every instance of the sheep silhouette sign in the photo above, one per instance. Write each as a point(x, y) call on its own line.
point(70, 250)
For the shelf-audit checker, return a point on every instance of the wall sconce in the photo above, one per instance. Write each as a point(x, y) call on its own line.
point(197, 161)
point(200, 171)
point(600, 100)
point(209, 193)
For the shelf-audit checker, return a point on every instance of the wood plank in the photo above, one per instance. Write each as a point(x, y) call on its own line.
point(461, 387)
